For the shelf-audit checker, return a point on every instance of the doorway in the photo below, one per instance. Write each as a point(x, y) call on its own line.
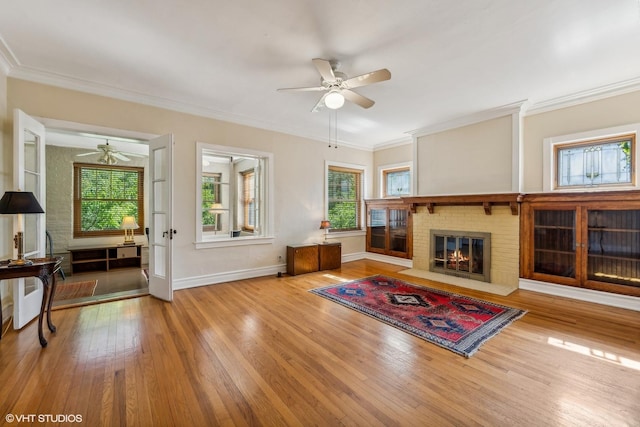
point(65, 149)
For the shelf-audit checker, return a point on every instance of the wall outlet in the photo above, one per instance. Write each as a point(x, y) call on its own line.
point(279, 258)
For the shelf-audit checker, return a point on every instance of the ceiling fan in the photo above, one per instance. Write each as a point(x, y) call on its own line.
point(338, 86)
point(108, 155)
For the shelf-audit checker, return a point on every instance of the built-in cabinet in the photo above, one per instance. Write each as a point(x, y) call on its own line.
point(389, 229)
point(589, 240)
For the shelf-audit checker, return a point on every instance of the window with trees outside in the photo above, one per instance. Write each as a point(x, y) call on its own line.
point(593, 163)
point(211, 194)
point(344, 194)
point(103, 195)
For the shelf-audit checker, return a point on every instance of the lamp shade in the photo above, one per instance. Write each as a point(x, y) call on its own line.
point(19, 202)
point(129, 223)
point(325, 225)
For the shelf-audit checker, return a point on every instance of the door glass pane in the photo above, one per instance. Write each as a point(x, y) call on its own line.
point(158, 195)
point(160, 160)
point(398, 229)
point(477, 251)
point(463, 254)
point(30, 151)
point(614, 246)
point(554, 242)
point(439, 251)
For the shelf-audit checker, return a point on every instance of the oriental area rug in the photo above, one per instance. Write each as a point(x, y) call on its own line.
point(458, 323)
point(69, 291)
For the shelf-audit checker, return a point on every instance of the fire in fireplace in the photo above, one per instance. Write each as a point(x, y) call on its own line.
point(461, 253)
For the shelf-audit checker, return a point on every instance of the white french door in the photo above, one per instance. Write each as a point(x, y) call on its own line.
point(29, 175)
point(161, 229)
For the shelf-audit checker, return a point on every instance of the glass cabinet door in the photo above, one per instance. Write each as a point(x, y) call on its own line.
point(398, 230)
point(378, 228)
point(614, 246)
point(554, 235)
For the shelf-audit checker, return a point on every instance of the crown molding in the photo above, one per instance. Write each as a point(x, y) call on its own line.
point(85, 86)
point(590, 95)
point(8, 60)
point(393, 143)
point(481, 116)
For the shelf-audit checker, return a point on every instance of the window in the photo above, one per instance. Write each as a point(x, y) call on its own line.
point(233, 195)
point(396, 182)
point(103, 195)
point(211, 220)
point(248, 200)
point(344, 194)
point(601, 162)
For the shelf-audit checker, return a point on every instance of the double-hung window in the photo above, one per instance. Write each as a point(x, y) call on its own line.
point(103, 195)
point(344, 198)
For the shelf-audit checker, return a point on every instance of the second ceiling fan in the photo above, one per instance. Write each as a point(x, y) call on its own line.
point(338, 86)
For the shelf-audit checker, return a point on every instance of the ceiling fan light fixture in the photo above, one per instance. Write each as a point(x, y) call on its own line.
point(334, 100)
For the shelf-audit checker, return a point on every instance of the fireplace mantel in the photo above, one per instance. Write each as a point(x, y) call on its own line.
point(484, 200)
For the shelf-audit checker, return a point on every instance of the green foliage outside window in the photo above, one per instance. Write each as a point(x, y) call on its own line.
point(105, 196)
point(210, 195)
point(344, 199)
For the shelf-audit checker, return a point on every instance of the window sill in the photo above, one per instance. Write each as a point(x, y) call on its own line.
point(234, 241)
point(350, 233)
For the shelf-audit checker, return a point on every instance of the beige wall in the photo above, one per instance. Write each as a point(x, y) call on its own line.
point(299, 171)
point(467, 160)
point(601, 114)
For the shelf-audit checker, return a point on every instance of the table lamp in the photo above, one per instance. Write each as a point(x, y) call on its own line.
point(325, 225)
point(128, 225)
point(19, 202)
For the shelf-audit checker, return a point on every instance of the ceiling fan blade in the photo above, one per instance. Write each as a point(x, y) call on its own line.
point(324, 68)
point(367, 79)
point(319, 104)
point(88, 154)
point(303, 89)
point(356, 98)
point(119, 156)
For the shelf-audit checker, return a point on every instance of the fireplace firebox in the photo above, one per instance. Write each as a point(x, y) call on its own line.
point(461, 254)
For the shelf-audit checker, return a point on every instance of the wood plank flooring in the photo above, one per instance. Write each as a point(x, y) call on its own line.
point(268, 352)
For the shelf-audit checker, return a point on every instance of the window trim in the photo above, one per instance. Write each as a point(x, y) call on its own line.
point(364, 191)
point(549, 149)
point(266, 237)
point(77, 200)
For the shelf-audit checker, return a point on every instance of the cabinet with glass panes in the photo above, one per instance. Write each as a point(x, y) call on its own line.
point(589, 240)
point(389, 228)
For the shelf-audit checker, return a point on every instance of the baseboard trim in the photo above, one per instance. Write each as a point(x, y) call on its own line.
point(589, 295)
point(227, 276)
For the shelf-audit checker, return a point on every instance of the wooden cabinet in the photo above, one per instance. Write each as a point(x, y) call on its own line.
point(389, 229)
point(302, 259)
point(589, 240)
point(330, 256)
point(105, 258)
point(307, 258)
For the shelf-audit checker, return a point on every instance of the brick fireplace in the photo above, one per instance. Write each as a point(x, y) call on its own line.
point(494, 217)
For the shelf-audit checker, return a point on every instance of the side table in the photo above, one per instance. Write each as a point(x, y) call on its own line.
point(44, 269)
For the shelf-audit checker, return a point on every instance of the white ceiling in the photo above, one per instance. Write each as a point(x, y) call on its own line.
point(225, 59)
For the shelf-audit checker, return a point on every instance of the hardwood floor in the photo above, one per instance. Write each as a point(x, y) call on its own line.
point(268, 352)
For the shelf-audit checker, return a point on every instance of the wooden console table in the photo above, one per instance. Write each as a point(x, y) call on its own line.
point(44, 269)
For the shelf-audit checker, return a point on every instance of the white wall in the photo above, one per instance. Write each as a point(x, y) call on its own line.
point(299, 173)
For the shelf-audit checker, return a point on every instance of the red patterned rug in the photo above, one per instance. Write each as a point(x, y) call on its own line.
point(455, 322)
